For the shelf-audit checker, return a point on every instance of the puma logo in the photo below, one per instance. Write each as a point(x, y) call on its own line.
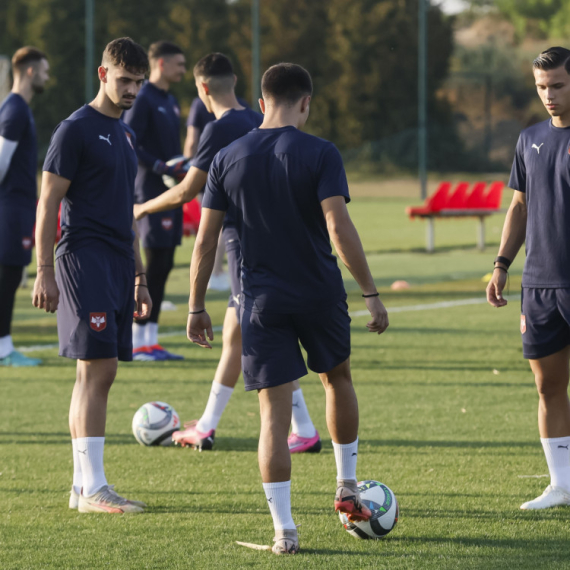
point(270, 500)
point(108, 139)
point(84, 451)
point(537, 147)
point(354, 454)
point(562, 447)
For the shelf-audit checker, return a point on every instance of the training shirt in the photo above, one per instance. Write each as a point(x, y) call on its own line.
point(541, 169)
point(272, 182)
point(18, 191)
point(97, 153)
point(155, 119)
point(199, 116)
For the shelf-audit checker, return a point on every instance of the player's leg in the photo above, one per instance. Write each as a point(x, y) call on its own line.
point(304, 436)
point(551, 377)
point(200, 433)
point(10, 276)
point(275, 463)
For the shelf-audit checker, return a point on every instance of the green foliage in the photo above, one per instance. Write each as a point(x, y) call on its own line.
point(362, 55)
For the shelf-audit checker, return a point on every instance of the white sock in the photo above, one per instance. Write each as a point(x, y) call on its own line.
point(557, 454)
point(6, 346)
point(139, 335)
point(345, 456)
point(279, 500)
point(301, 422)
point(90, 450)
point(217, 402)
point(77, 477)
point(151, 337)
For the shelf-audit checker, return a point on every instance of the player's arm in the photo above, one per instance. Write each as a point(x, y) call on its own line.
point(199, 324)
point(53, 190)
point(186, 191)
point(514, 233)
point(191, 142)
point(7, 150)
point(347, 243)
point(142, 296)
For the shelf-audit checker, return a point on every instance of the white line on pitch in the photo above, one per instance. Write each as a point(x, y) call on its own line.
point(391, 310)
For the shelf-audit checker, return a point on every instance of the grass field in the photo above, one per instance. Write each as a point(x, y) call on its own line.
point(448, 421)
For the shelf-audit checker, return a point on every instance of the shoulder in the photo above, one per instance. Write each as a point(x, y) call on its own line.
point(14, 105)
point(539, 129)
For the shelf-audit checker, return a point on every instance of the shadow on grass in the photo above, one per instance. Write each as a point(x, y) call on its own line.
point(444, 443)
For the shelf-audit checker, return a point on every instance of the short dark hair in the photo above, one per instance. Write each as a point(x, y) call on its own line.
point(124, 52)
point(214, 65)
point(162, 49)
point(25, 56)
point(286, 83)
point(553, 58)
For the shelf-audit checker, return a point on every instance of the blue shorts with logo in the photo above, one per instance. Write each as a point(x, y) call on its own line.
point(271, 354)
point(233, 253)
point(545, 321)
point(16, 233)
point(96, 304)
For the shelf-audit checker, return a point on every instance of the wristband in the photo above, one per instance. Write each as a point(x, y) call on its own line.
point(196, 312)
point(372, 295)
point(503, 260)
point(502, 268)
point(139, 274)
point(141, 285)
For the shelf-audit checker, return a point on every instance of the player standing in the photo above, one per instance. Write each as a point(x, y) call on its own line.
point(18, 192)
point(90, 168)
point(540, 214)
point(155, 119)
point(215, 81)
point(286, 192)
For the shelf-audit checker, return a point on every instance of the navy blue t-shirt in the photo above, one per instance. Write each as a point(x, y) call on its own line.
point(272, 182)
point(97, 153)
point(541, 169)
point(199, 116)
point(18, 192)
point(155, 119)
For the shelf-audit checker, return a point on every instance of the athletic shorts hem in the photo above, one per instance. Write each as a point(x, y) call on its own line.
point(536, 352)
point(326, 367)
point(122, 354)
point(273, 384)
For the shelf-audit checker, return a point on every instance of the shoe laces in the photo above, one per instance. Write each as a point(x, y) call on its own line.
point(109, 495)
point(191, 423)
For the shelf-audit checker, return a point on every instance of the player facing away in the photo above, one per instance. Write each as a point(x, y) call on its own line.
point(18, 192)
point(540, 214)
point(155, 119)
point(90, 169)
point(215, 81)
point(286, 192)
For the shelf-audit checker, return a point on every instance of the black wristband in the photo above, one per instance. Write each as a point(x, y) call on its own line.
point(502, 268)
point(141, 285)
point(503, 260)
point(196, 312)
point(139, 274)
point(372, 295)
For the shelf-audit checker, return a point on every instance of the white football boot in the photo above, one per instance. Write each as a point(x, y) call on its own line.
point(74, 499)
point(552, 497)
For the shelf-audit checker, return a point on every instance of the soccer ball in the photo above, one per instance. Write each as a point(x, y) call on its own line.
point(182, 166)
point(154, 423)
point(384, 506)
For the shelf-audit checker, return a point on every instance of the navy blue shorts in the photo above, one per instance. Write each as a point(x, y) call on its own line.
point(271, 354)
point(96, 304)
point(545, 321)
point(233, 253)
point(16, 233)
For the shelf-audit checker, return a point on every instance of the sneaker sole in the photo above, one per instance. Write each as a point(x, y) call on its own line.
point(203, 445)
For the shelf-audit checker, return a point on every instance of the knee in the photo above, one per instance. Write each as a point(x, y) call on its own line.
point(550, 388)
point(337, 381)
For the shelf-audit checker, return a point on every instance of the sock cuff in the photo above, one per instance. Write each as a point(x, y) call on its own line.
point(548, 440)
point(345, 445)
point(274, 486)
point(218, 388)
point(85, 440)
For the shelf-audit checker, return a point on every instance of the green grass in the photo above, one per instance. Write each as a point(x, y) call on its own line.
point(448, 421)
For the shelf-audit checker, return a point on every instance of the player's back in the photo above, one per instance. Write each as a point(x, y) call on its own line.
point(273, 182)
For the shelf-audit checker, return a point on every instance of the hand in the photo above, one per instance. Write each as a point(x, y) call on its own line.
point(143, 302)
point(46, 293)
point(178, 171)
point(197, 325)
point(379, 322)
point(138, 210)
point(495, 288)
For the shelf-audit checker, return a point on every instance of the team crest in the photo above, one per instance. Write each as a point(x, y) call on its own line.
point(523, 324)
point(98, 321)
point(176, 110)
point(130, 139)
point(167, 223)
point(27, 243)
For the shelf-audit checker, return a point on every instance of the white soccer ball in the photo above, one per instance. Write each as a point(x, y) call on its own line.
point(384, 506)
point(184, 162)
point(154, 423)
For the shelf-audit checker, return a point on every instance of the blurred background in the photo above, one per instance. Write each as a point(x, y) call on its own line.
point(365, 57)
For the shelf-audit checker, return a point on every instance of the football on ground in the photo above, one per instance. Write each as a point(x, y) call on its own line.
point(384, 506)
point(154, 423)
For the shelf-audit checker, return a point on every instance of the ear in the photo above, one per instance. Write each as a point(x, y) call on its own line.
point(262, 105)
point(161, 63)
point(206, 88)
point(102, 73)
point(305, 102)
point(235, 79)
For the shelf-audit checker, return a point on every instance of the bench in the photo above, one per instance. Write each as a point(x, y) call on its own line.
point(479, 201)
